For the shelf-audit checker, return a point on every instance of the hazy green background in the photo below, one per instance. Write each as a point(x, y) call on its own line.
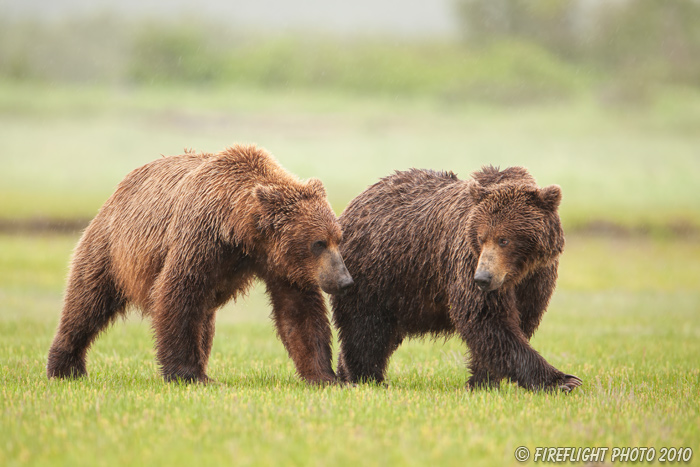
point(602, 98)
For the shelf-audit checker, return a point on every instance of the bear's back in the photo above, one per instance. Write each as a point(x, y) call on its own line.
point(137, 216)
point(490, 176)
point(244, 166)
point(407, 220)
point(404, 193)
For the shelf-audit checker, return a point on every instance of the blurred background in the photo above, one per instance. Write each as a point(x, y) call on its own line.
point(599, 96)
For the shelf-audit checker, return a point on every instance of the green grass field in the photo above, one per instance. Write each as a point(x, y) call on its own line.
point(625, 317)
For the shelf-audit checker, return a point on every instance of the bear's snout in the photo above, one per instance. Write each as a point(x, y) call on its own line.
point(490, 271)
point(345, 283)
point(483, 279)
point(334, 277)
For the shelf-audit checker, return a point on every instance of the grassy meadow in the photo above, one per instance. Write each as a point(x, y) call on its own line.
point(625, 317)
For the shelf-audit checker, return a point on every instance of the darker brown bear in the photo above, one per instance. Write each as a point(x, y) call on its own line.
point(183, 235)
point(432, 254)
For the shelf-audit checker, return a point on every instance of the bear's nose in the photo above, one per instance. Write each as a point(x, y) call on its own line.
point(345, 283)
point(483, 279)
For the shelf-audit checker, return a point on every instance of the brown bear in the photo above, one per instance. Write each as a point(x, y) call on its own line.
point(433, 254)
point(181, 236)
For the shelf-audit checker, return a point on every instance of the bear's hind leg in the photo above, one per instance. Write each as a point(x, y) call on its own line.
point(365, 344)
point(182, 303)
point(181, 333)
point(208, 329)
point(92, 302)
point(363, 362)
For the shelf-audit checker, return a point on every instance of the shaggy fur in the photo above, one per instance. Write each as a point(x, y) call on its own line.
point(432, 254)
point(183, 235)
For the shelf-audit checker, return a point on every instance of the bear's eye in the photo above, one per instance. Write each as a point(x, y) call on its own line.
point(318, 246)
point(503, 242)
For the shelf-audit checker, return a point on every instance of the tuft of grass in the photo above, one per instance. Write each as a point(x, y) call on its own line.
point(631, 331)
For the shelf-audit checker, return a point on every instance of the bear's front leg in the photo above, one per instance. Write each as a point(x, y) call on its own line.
point(533, 295)
point(481, 378)
point(498, 344)
point(302, 325)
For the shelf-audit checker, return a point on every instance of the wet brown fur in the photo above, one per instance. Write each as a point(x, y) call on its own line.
point(412, 243)
point(183, 235)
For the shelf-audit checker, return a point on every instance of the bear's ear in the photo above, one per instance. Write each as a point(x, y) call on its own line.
point(315, 187)
point(477, 192)
point(550, 197)
point(272, 201)
point(270, 197)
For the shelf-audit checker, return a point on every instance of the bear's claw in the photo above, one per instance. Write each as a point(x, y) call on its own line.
point(570, 383)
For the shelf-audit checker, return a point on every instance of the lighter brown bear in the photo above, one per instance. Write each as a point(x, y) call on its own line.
point(183, 235)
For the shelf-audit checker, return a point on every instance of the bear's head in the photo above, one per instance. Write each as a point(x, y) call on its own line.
point(302, 235)
point(513, 229)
